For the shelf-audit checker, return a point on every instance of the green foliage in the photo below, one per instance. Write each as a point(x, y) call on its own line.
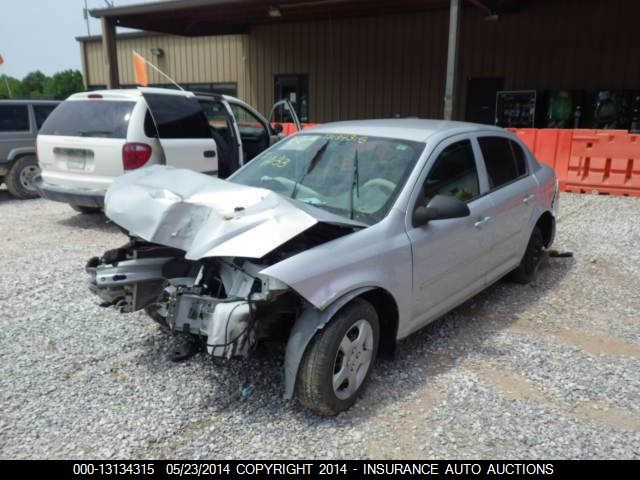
point(63, 84)
point(38, 85)
point(33, 84)
point(14, 84)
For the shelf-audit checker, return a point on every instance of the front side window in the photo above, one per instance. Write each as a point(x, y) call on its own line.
point(41, 113)
point(354, 176)
point(248, 123)
point(14, 118)
point(454, 174)
point(89, 118)
point(503, 166)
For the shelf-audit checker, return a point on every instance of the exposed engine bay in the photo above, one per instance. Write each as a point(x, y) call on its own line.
point(197, 253)
point(225, 300)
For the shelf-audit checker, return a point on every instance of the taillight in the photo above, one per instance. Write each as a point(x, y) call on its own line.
point(135, 155)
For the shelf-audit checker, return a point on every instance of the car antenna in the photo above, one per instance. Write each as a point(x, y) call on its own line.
point(157, 70)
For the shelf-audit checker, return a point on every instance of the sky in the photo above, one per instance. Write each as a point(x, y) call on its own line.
point(40, 34)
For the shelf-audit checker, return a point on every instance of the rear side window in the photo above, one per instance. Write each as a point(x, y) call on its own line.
point(14, 118)
point(177, 116)
point(521, 159)
point(89, 118)
point(500, 160)
point(42, 112)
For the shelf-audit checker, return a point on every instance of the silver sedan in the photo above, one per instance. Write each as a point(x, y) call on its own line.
point(340, 240)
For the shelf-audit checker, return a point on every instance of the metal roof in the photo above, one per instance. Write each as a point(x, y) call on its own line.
point(210, 17)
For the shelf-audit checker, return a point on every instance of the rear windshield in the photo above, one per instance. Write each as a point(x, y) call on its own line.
point(89, 118)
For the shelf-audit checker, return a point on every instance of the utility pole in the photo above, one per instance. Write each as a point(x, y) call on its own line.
point(85, 14)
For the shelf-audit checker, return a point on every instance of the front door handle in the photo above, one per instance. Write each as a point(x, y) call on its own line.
point(480, 223)
point(528, 198)
point(209, 153)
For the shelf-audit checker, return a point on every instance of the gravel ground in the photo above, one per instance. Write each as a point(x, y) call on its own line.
point(548, 370)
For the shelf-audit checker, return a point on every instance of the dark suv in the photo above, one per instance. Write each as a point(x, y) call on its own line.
point(20, 121)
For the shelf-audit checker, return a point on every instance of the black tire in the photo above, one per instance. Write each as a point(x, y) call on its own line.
point(314, 386)
point(86, 210)
point(20, 177)
point(528, 268)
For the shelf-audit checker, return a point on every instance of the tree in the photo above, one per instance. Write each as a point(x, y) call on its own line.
point(33, 84)
point(63, 84)
point(14, 84)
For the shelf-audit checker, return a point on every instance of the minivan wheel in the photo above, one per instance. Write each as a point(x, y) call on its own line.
point(530, 262)
point(337, 363)
point(85, 210)
point(21, 176)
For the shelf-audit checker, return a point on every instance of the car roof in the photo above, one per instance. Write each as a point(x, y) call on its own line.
point(135, 93)
point(414, 129)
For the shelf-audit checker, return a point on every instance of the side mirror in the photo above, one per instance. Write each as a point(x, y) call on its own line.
point(440, 207)
point(277, 128)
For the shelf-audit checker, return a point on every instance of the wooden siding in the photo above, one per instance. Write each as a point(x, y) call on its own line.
point(395, 65)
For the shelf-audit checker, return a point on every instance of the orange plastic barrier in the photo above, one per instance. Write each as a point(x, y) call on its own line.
point(591, 161)
point(290, 128)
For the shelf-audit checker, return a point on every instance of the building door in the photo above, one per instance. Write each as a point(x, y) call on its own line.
point(481, 99)
point(294, 88)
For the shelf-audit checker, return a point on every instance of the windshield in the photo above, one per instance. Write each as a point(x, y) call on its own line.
point(354, 176)
point(89, 118)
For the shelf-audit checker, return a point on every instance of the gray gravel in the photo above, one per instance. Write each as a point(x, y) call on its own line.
point(549, 370)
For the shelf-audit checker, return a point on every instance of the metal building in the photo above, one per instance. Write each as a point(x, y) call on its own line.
point(345, 59)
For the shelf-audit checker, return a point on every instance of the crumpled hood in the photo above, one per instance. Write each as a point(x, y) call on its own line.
point(206, 216)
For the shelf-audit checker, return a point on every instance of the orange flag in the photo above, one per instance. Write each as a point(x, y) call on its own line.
point(1, 60)
point(140, 69)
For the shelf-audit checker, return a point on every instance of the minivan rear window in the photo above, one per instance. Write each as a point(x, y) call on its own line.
point(89, 118)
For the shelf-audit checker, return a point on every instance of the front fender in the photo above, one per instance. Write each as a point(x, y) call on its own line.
point(306, 326)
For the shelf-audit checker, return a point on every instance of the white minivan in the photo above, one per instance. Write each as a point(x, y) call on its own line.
point(93, 137)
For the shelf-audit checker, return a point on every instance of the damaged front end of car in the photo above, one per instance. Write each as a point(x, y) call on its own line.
point(220, 299)
point(196, 255)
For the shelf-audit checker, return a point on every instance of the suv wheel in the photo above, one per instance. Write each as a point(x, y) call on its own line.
point(337, 363)
point(20, 178)
point(530, 262)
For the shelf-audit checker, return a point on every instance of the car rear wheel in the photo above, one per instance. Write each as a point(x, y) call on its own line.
point(526, 271)
point(20, 179)
point(85, 210)
point(337, 363)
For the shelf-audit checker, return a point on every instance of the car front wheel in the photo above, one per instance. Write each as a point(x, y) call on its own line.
point(337, 363)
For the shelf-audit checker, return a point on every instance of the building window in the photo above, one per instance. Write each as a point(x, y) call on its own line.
point(294, 88)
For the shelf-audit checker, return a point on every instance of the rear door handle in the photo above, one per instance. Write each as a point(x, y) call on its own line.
point(528, 198)
point(209, 153)
point(480, 223)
